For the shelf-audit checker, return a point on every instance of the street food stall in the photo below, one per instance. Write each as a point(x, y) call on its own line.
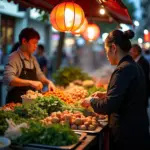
point(56, 119)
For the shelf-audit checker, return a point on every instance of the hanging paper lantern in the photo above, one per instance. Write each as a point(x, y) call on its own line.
point(67, 16)
point(81, 29)
point(92, 32)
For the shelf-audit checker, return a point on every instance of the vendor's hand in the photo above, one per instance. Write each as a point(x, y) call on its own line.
point(86, 102)
point(37, 85)
point(99, 95)
point(51, 86)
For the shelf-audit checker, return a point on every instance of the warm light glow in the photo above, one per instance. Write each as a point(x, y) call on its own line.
point(67, 16)
point(136, 23)
point(102, 11)
point(145, 31)
point(92, 32)
point(81, 29)
point(140, 40)
point(147, 45)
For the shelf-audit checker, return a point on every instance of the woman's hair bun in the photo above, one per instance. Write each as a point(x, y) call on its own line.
point(129, 34)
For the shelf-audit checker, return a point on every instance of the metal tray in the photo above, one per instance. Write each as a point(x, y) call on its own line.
point(42, 147)
point(97, 130)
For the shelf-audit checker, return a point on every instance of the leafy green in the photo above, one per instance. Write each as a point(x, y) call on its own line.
point(50, 104)
point(64, 76)
point(55, 135)
point(41, 107)
point(30, 111)
point(95, 89)
point(8, 115)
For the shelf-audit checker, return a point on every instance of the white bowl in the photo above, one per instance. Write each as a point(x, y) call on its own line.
point(4, 142)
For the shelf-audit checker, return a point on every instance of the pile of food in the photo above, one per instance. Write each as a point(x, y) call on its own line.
point(53, 116)
point(31, 95)
point(85, 83)
point(10, 106)
point(60, 94)
point(76, 120)
point(66, 75)
point(35, 132)
point(76, 92)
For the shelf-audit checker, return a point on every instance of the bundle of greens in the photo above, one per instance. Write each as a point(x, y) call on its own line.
point(50, 104)
point(41, 107)
point(54, 135)
point(30, 111)
point(8, 115)
point(68, 74)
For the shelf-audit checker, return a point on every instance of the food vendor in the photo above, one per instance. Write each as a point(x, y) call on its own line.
point(124, 100)
point(22, 72)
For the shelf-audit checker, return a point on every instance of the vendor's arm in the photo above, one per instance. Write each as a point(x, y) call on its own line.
point(118, 87)
point(13, 70)
point(21, 82)
point(42, 77)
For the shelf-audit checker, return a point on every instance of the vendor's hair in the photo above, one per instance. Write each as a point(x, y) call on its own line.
point(15, 47)
point(28, 33)
point(137, 47)
point(121, 39)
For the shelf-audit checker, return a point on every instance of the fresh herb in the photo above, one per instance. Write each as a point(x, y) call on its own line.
point(50, 104)
point(30, 111)
point(8, 115)
point(55, 135)
point(68, 74)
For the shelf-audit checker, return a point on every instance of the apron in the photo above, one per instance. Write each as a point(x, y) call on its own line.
point(14, 95)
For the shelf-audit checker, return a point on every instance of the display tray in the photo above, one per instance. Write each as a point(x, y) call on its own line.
point(97, 130)
point(41, 146)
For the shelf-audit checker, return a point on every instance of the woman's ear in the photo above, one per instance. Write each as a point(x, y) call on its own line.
point(114, 48)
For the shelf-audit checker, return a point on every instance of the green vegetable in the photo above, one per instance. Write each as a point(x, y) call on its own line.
point(55, 135)
point(41, 107)
point(8, 115)
point(50, 104)
point(68, 74)
point(30, 111)
point(95, 89)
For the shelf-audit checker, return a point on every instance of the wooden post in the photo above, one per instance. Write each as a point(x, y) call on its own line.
point(60, 49)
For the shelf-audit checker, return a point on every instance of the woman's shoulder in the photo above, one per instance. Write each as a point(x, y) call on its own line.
point(127, 69)
point(127, 65)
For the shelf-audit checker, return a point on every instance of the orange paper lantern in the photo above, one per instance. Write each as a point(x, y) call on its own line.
point(67, 16)
point(91, 33)
point(82, 28)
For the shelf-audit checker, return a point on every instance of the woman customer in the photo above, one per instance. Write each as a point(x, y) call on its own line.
point(124, 101)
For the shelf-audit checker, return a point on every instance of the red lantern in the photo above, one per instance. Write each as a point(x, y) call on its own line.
point(82, 28)
point(92, 32)
point(67, 16)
